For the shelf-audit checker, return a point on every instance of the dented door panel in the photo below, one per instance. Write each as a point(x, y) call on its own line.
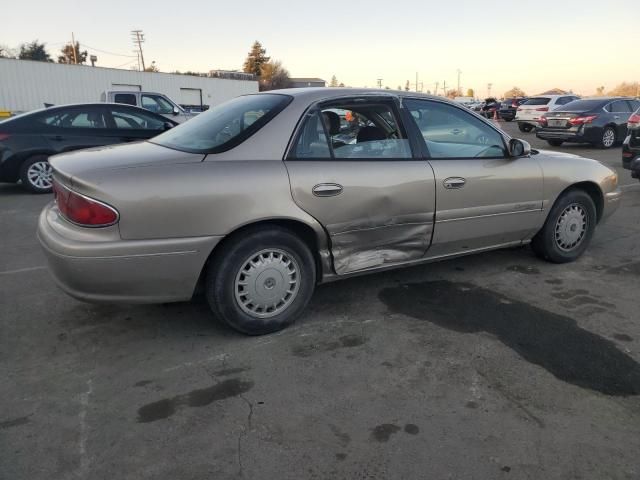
point(383, 214)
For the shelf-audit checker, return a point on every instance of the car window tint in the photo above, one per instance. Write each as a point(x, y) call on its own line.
point(312, 141)
point(620, 106)
point(128, 119)
point(126, 98)
point(156, 104)
point(537, 101)
point(364, 130)
point(226, 125)
point(450, 132)
point(75, 118)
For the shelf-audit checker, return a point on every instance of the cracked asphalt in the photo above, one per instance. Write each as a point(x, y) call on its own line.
point(492, 366)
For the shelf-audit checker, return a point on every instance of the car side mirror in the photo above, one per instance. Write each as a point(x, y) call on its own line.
point(167, 126)
point(176, 111)
point(519, 148)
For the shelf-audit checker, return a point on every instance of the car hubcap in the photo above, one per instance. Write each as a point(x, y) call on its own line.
point(608, 138)
point(267, 283)
point(39, 175)
point(571, 227)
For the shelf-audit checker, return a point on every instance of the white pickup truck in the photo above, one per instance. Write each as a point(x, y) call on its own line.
point(154, 102)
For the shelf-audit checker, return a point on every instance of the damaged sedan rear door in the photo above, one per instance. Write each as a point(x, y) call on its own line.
point(353, 167)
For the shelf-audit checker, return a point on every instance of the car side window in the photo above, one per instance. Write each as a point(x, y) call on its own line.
point(156, 104)
point(130, 120)
point(312, 140)
point(353, 129)
point(620, 106)
point(75, 118)
point(450, 132)
point(126, 98)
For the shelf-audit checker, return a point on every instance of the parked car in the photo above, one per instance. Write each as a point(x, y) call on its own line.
point(152, 101)
point(263, 211)
point(489, 107)
point(528, 114)
point(508, 108)
point(631, 146)
point(599, 121)
point(28, 140)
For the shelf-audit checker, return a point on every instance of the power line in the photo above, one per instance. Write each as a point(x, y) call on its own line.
point(104, 51)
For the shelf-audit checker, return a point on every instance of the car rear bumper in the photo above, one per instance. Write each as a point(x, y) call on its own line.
point(581, 135)
point(110, 269)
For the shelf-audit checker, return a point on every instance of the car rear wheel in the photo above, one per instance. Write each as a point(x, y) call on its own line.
point(608, 138)
point(525, 127)
point(568, 228)
point(261, 281)
point(555, 143)
point(36, 174)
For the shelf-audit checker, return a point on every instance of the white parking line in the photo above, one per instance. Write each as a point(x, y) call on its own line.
point(23, 270)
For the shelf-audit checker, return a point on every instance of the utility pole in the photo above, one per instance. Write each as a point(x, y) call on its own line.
point(379, 82)
point(73, 47)
point(444, 88)
point(138, 39)
point(459, 91)
point(435, 92)
point(489, 85)
point(416, 81)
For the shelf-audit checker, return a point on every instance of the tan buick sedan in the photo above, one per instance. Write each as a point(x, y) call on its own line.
point(267, 195)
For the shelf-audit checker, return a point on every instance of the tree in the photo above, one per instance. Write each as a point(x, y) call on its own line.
point(334, 82)
point(274, 76)
point(600, 91)
point(341, 84)
point(514, 92)
point(6, 52)
point(256, 58)
point(407, 86)
point(470, 92)
point(626, 90)
point(399, 87)
point(34, 51)
point(67, 54)
point(152, 68)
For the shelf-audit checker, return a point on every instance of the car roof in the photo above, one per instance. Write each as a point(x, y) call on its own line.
point(75, 105)
point(316, 94)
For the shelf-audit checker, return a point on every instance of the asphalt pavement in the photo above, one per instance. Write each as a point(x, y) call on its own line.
point(492, 366)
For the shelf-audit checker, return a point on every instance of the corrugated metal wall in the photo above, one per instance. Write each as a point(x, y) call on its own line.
point(26, 85)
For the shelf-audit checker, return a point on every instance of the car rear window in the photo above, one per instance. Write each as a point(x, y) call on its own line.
point(537, 101)
point(582, 105)
point(225, 126)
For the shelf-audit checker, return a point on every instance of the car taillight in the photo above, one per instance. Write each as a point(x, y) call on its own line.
point(82, 210)
point(582, 120)
point(627, 154)
point(634, 121)
point(542, 120)
point(542, 109)
point(514, 104)
point(4, 136)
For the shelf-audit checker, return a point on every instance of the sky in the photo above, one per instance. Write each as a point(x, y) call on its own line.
point(568, 44)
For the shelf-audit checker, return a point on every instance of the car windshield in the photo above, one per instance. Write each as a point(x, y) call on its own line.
point(537, 101)
point(225, 126)
point(582, 105)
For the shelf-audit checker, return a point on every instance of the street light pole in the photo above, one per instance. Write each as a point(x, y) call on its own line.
point(459, 91)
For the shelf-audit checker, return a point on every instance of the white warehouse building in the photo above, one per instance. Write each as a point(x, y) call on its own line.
point(28, 85)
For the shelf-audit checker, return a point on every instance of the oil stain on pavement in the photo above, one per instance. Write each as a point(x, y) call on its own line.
point(554, 342)
point(197, 398)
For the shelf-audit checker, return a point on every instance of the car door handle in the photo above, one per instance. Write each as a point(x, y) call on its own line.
point(617, 117)
point(57, 138)
point(454, 182)
point(327, 190)
point(456, 131)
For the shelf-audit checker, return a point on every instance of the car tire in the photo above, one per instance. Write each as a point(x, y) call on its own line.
point(508, 119)
point(555, 143)
point(251, 271)
point(525, 127)
point(36, 174)
point(608, 138)
point(568, 228)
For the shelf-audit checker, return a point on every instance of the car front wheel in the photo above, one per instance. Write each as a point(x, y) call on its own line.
point(555, 143)
point(525, 127)
point(568, 228)
point(36, 174)
point(261, 281)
